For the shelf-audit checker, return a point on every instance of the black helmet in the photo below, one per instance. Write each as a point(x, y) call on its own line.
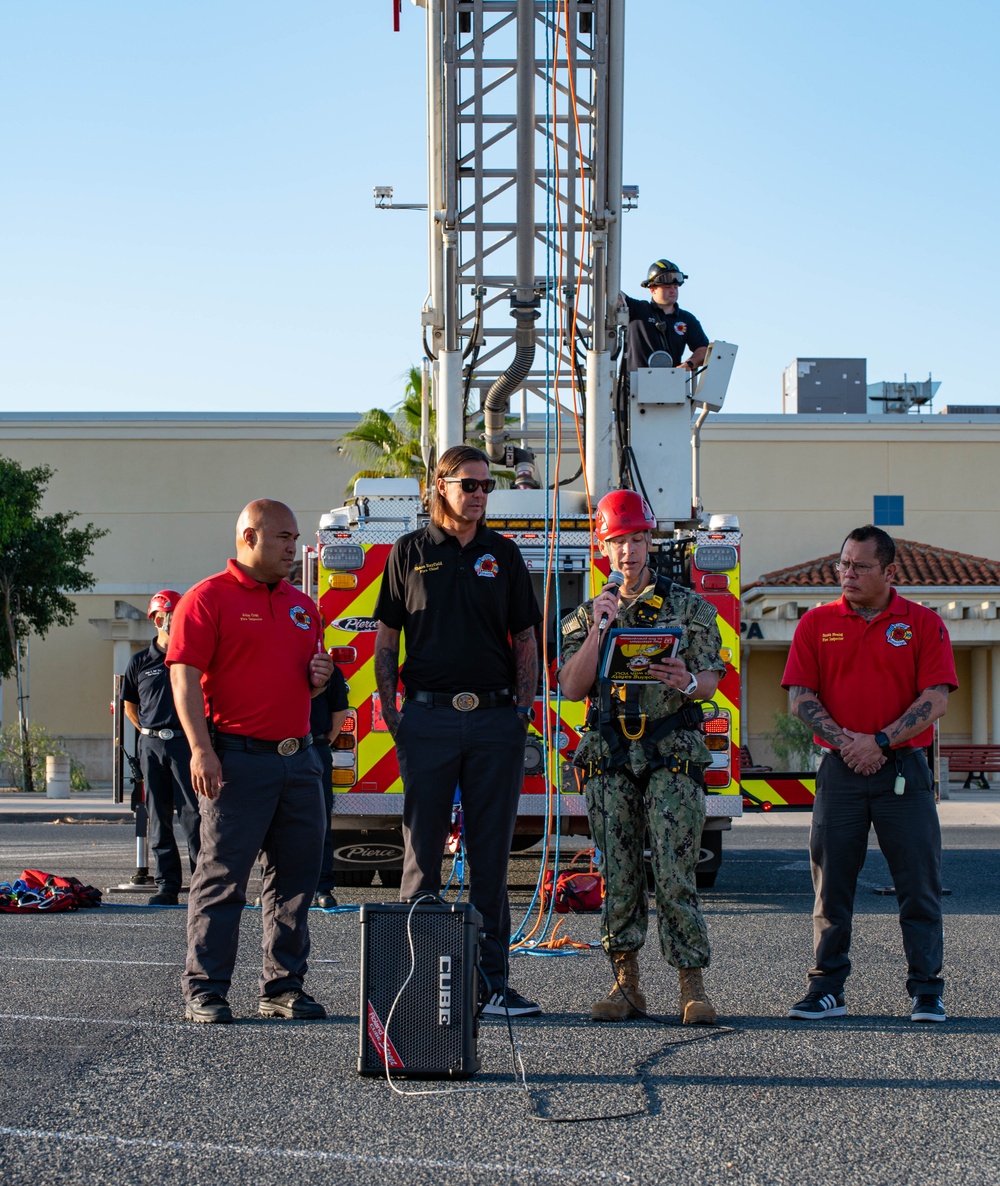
point(662, 271)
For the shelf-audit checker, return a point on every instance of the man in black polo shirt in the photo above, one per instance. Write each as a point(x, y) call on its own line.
point(659, 325)
point(462, 595)
point(164, 754)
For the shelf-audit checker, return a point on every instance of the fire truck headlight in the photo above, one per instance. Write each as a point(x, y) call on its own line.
point(342, 557)
point(715, 557)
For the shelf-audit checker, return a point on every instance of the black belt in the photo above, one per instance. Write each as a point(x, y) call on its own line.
point(254, 745)
point(463, 701)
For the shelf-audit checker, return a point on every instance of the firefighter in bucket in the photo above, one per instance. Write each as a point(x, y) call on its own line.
point(643, 757)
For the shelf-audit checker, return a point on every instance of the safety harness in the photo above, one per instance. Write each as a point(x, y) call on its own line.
point(633, 725)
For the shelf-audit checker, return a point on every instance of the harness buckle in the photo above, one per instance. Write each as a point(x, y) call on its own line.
point(624, 728)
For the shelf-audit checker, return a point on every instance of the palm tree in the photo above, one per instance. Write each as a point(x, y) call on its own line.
point(388, 444)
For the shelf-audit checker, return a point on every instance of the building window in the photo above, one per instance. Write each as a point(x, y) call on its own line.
point(888, 510)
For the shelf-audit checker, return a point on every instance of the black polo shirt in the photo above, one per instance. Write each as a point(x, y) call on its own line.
point(147, 683)
point(680, 329)
point(332, 699)
point(458, 609)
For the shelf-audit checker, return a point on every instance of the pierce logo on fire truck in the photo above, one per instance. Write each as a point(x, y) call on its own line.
point(356, 625)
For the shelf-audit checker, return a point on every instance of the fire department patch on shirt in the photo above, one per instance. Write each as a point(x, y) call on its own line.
point(898, 634)
point(300, 617)
point(680, 328)
point(486, 566)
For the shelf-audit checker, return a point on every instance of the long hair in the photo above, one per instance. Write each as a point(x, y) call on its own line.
point(451, 460)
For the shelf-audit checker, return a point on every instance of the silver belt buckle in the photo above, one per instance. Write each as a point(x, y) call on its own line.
point(289, 746)
point(465, 701)
point(166, 734)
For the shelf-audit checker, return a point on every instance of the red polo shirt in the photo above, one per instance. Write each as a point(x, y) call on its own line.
point(868, 673)
point(253, 645)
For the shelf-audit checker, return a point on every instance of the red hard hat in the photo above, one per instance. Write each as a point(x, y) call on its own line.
point(163, 602)
point(622, 512)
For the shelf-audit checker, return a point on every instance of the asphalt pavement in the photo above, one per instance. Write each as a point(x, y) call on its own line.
point(106, 1083)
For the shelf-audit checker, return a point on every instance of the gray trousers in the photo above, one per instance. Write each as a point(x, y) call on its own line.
point(909, 835)
point(272, 806)
point(482, 753)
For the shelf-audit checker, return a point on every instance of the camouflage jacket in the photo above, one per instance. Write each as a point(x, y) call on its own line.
point(699, 648)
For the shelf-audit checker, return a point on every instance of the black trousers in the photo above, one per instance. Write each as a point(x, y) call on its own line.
point(909, 835)
point(166, 771)
point(482, 753)
point(272, 806)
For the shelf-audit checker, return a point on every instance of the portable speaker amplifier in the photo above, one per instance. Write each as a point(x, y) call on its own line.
point(433, 1031)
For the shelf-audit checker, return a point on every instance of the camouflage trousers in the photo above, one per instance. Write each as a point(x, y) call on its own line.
point(673, 811)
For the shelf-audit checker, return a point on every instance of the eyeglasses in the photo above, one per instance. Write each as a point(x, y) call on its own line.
point(471, 485)
point(861, 570)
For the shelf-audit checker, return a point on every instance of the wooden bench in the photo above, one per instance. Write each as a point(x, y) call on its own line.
point(974, 761)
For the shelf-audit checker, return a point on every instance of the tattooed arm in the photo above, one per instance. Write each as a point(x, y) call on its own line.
point(387, 674)
point(807, 706)
point(925, 710)
point(526, 666)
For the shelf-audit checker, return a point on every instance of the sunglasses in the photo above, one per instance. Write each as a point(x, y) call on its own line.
point(471, 485)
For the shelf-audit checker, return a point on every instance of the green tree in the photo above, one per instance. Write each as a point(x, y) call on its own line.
point(41, 561)
point(792, 742)
point(387, 444)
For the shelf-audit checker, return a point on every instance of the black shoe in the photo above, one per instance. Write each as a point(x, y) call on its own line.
point(928, 1008)
point(815, 1005)
point(163, 898)
point(324, 901)
point(509, 1003)
point(209, 1007)
point(294, 1004)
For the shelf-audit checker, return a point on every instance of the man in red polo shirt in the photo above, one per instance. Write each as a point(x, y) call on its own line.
point(246, 652)
point(870, 674)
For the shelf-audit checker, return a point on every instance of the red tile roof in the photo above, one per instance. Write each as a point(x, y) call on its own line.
point(917, 564)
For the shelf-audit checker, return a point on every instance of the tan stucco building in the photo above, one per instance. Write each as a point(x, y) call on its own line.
point(169, 488)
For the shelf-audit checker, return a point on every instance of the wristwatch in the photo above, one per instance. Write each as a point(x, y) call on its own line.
point(691, 688)
point(882, 740)
point(527, 712)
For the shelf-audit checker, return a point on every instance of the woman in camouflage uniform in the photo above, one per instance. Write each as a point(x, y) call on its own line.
point(643, 760)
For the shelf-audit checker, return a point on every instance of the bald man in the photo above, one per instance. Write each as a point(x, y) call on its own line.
point(245, 657)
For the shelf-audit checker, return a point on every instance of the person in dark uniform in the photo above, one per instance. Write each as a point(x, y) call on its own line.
point(327, 714)
point(659, 325)
point(462, 596)
point(164, 754)
point(246, 657)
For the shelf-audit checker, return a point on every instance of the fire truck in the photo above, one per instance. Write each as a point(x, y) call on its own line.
point(523, 334)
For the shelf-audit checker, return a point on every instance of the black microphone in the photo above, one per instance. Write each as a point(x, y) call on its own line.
point(615, 582)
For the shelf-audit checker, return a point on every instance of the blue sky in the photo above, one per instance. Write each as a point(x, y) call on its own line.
point(186, 214)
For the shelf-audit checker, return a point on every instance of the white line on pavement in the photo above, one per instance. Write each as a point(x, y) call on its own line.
point(508, 1169)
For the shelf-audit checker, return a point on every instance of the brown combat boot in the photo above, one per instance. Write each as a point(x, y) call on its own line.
point(696, 1008)
point(615, 1006)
